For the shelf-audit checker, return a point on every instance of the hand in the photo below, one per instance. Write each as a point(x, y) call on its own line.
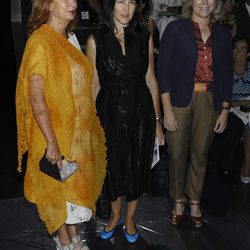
point(221, 122)
point(160, 134)
point(53, 154)
point(170, 122)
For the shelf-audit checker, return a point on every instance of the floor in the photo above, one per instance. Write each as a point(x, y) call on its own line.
point(226, 211)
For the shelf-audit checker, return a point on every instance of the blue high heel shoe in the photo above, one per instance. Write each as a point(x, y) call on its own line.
point(105, 235)
point(131, 238)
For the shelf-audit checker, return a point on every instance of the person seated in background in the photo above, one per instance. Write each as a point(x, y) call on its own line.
point(241, 97)
point(225, 155)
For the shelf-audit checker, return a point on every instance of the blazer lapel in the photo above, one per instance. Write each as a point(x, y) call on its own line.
point(188, 31)
point(215, 46)
point(190, 35)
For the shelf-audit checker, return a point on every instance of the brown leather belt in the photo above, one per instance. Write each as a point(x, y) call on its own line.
point(201, 86)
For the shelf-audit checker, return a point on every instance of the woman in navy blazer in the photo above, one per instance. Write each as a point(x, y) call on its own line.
point(195, 79)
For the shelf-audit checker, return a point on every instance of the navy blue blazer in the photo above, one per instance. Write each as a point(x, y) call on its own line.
point(177, 63)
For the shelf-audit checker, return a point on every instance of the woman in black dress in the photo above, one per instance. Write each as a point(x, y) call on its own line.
point(127, 101)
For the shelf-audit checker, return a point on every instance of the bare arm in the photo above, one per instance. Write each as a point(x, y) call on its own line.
point(91, 54)
point(153, 86)
point(41, 113)
point(151, 28)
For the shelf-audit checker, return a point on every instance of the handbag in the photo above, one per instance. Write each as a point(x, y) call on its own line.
point(52, 170)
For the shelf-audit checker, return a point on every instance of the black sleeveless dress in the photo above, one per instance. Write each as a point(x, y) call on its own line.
point(125, 108)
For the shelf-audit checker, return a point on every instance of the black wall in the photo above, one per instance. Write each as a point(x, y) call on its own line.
point(8, 152)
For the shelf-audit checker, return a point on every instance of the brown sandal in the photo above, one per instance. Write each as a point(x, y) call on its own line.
point(175, 219)
point(196, 221)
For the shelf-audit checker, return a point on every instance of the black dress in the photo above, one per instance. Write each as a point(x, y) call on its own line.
point(125, 107)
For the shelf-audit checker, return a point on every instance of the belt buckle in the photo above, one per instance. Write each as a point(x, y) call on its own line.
point(200, 87)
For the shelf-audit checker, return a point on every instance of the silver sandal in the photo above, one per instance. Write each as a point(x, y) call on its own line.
point(79, 243)
point(60, 247)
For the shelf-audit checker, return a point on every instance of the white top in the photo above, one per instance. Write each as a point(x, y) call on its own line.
point(244, 116)
point(73, 40)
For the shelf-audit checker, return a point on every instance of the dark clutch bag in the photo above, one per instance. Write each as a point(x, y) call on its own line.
point(52, 170)
point(49, 169)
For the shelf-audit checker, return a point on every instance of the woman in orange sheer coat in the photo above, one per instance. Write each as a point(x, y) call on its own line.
point(55, 111)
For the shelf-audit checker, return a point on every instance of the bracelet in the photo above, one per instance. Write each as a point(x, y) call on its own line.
point(158, 119)
point(225, 108)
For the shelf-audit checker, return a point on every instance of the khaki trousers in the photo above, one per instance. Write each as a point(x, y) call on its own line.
point(188, 146)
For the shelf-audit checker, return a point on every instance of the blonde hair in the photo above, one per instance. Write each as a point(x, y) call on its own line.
point(187, 10)
point(40, 14)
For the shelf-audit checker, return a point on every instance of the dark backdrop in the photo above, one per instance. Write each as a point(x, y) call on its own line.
point(8, 159)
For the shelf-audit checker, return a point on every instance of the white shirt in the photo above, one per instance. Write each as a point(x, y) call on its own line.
point(73, 40)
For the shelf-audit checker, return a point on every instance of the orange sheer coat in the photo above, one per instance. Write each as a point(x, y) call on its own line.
point(67, 74)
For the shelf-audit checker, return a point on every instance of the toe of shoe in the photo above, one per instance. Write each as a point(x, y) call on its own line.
point(132, 238)
point(106, 235)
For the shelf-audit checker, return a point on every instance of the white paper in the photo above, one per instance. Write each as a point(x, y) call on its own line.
point(156, 153)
